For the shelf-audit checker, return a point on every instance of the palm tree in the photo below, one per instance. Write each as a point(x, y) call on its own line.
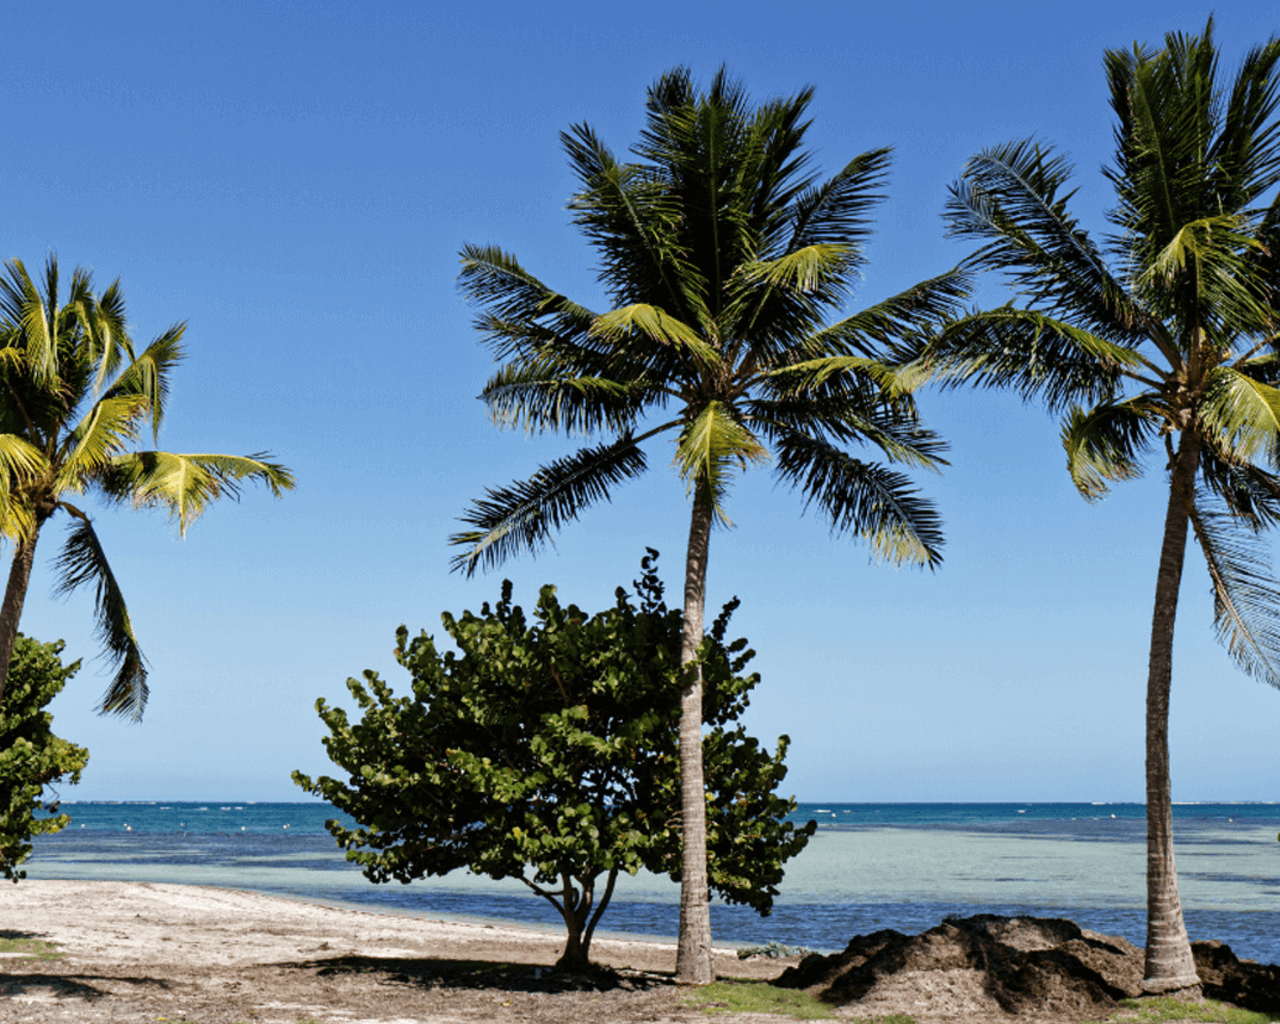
point(721, 253)
point(1172, 347)
point(74, 397)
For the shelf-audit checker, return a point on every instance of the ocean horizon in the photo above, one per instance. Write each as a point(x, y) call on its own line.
point(869, 866)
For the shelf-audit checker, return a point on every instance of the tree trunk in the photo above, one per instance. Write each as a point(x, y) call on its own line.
point(15, 595)
point(1170, 967)
point(574, 958)
point(599, 912)
point(574, 907)
point(693, 955)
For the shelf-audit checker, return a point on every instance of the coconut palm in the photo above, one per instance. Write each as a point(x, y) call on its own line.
point(74, 397)
point(721, 254)
point(1163, 339)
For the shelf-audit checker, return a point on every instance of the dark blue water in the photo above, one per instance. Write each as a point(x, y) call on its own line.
point(310, 817)
point(871, 866)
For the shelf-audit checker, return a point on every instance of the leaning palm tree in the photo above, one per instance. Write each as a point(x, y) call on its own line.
point(721, 255)
point(1163, 338)
point(74, 396)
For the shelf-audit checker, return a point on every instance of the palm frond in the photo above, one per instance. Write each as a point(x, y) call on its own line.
point(510, 294)
point(20, 463)
point(1249, 492)
point(187, 484)
point(110, 341)
point(629, 214)
point(25, 308)
point(107, 428)
point(148, 374)
point(1105, 444)
point(1037, 356)
point(1246, 595)
point(890, 424)
point(656, 325)
point(706, 159)
point(890, 327)
point(837, 211)
point(1245, 156)
point(1014, 198)
point(19, 459)
point(1226, 293)
point(1190, 163)
point(82, 562)
point(850, 399)
point(1266, 257)
point(92, 330)
point(1240, 416)
point(710, 447)
point(820, 266)
point(544, 393)
point(524, 515)
point(1200, 241)
point(863, 498)
point(811, 375)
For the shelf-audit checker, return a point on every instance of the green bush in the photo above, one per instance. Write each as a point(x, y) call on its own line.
point(31, 756)
point(547, 751)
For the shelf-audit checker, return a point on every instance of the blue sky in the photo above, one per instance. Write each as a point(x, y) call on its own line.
point(295, 180)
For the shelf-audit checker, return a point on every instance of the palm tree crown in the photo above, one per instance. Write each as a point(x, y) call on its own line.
point(723, 256)
point(1164, 337)
point(75, 398)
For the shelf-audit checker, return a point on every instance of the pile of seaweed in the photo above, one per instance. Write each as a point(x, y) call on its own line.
point(1012, 965)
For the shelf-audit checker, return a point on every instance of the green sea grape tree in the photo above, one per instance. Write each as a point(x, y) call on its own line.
point(546, 750)
point(31, 756)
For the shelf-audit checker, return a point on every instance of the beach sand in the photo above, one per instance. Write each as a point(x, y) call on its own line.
point(185, 954)
point(138, 951)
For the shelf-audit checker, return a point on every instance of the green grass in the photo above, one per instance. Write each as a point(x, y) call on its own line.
point(36, 949)
point(757, 997)
point(1208, 1012)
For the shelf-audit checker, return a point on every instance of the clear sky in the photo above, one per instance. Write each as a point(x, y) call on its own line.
point(295, 181)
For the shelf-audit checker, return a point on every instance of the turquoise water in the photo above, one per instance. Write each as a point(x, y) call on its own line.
point(869, 866)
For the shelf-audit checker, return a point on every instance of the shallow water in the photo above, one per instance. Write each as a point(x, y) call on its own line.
point(864, 870)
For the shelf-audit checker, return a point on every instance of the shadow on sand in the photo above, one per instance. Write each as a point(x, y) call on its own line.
point(432, 973)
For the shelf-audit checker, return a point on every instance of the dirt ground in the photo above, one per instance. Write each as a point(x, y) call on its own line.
point(138, 952)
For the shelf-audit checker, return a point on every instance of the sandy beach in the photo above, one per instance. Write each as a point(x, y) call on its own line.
point(140, 952)
point(185, 954)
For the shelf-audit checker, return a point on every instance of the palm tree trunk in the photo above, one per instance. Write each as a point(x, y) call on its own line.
point(693, 955)
point(15, 595)
point(1170, 967)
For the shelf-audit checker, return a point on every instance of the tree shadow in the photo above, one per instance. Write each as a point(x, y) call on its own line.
point(442, 973)
point(67, 986)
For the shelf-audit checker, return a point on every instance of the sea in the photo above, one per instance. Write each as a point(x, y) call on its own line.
point(868, 867)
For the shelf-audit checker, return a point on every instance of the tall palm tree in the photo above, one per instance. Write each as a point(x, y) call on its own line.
point(1171, 346)
point(74, 396)
point(721, 254)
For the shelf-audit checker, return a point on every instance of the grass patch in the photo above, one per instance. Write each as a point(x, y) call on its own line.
point(34, 949)
point(757, 997)
point(1208, 1012)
